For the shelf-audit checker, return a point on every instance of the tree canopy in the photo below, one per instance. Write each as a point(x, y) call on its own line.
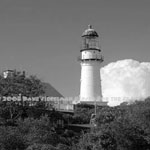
point(19, 83)
point(120, 128)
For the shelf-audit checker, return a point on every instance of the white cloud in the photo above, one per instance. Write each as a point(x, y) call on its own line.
point(125, 80)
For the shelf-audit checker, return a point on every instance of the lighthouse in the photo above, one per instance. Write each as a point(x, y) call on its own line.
point(90, 60)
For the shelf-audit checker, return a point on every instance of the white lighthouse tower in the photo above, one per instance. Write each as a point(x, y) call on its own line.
point(90, 60)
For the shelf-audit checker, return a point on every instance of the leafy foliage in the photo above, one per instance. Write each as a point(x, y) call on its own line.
point(120, 128)
point(11, 139)
point(82, 113)
point(20, 84)
point(24, 127)
point(41, 147)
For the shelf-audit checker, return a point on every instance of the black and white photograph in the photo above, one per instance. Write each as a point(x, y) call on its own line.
point(74, 74)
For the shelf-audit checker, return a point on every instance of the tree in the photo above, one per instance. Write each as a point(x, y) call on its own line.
point(11, 139)
point(17, 84)
point(124, 127)
point(63, 147)
point(38, 131)
point(41, 147)
point(127, 126)
point(82, 113)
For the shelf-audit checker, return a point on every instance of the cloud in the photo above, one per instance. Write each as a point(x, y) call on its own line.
point(125, 81)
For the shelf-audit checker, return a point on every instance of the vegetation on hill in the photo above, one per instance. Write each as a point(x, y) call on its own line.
point(24, 127)
point(118, 128)
point(19, 83)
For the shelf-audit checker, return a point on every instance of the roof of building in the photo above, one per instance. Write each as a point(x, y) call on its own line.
point(90, 32)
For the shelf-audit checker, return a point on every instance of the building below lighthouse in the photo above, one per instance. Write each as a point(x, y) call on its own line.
point(90, 60)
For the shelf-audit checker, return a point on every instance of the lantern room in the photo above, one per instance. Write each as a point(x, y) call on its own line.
point(90, 39)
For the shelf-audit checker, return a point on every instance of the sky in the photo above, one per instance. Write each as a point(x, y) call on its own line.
point(43, 37)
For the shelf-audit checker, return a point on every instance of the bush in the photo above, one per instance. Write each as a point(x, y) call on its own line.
point(36, 146)
point(11, 139)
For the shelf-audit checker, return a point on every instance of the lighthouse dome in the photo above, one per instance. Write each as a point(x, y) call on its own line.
point(89, 32)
